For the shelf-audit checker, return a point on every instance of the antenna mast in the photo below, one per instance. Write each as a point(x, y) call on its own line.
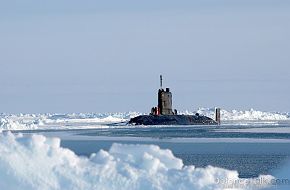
point(160, 81)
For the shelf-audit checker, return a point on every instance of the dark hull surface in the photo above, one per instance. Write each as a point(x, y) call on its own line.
point(172, 120)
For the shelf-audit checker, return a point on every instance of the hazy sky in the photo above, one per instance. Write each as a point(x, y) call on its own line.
point(106, 56)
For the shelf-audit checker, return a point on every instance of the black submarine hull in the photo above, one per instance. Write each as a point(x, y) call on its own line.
point(172, 120)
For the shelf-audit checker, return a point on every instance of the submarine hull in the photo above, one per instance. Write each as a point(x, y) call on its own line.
point(172, 120)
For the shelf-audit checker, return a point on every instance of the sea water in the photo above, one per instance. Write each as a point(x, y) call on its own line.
point(249, 153)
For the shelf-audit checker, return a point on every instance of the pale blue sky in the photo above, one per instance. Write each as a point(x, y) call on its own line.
point(106, 56)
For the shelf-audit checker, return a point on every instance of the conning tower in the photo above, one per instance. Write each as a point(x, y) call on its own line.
point(164, 102)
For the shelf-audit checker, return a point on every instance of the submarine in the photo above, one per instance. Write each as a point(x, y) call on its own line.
point(164, 115)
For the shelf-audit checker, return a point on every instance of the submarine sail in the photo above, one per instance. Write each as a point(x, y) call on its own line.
point(164, 115)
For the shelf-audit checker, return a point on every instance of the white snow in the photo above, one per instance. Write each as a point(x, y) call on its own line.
point(248, 115)
point(38, 162)
point(62, 121)
point(101, 120)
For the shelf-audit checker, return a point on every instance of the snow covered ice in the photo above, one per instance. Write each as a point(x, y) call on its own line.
point(248, 115)
point(61, 121)
point(38, 162)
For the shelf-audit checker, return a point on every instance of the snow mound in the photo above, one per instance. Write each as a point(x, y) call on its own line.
point(37, 162)
point(10, 124)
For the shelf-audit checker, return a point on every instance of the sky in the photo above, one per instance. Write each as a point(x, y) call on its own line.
point(64, 56)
